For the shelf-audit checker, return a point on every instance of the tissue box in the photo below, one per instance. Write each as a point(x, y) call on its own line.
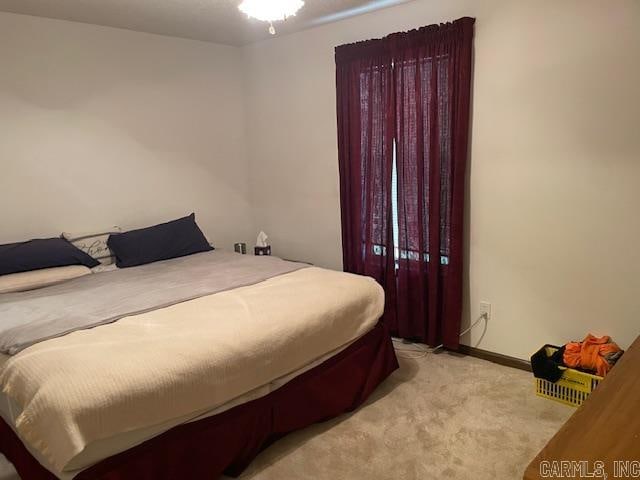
point(263, 250)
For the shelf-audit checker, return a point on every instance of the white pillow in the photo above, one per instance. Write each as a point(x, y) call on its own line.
point(94, 244)
point(20, 282)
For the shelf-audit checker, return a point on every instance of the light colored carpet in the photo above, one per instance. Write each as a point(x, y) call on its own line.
point(442, 416)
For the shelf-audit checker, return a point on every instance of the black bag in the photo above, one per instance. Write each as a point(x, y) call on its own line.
point(546, 363)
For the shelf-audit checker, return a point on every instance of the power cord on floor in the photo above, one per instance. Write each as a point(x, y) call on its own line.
point(410, 350)
point(484, 317)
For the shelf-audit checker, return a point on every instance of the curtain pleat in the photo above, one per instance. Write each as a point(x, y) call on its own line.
point(365, 126)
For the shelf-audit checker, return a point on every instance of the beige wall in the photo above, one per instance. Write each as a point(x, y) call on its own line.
point(554, 186)
point(100, 126)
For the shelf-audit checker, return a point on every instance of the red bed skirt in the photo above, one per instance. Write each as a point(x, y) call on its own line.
point(228, 442)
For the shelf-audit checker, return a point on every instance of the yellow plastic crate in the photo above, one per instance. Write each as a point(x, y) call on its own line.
point(573, 388)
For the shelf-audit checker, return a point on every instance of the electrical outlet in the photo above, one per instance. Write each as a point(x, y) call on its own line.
point(485, 310)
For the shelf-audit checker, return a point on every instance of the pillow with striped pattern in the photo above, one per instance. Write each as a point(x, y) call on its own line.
point(94, 244)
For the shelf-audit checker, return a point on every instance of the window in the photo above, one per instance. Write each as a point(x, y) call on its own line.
point(397, 253)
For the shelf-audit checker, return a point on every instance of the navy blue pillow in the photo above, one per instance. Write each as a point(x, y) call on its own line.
point(41, 253)
point(168, 240)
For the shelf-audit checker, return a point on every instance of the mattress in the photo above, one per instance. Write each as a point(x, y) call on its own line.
point(77, 399)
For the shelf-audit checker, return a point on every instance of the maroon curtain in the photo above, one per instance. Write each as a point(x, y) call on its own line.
point(432, 76)
point(364, 79)
point(431, 80)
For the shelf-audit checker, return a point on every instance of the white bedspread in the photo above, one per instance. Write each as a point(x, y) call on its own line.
point(180, 360)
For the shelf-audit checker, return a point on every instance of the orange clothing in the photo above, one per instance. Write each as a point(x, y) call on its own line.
point(591, 354)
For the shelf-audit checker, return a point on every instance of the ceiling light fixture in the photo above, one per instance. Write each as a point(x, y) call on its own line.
point(271, 10)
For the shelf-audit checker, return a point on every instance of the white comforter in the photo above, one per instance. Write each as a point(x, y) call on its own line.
point(149, 368)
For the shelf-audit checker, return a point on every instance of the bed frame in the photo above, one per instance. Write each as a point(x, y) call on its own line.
point(228, 442)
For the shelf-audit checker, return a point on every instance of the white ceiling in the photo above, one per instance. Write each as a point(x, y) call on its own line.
point(217, 21)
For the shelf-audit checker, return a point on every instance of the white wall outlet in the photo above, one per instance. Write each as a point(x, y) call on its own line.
point(485, 310)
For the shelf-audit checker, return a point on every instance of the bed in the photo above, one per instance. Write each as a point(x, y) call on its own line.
point(184, 368)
